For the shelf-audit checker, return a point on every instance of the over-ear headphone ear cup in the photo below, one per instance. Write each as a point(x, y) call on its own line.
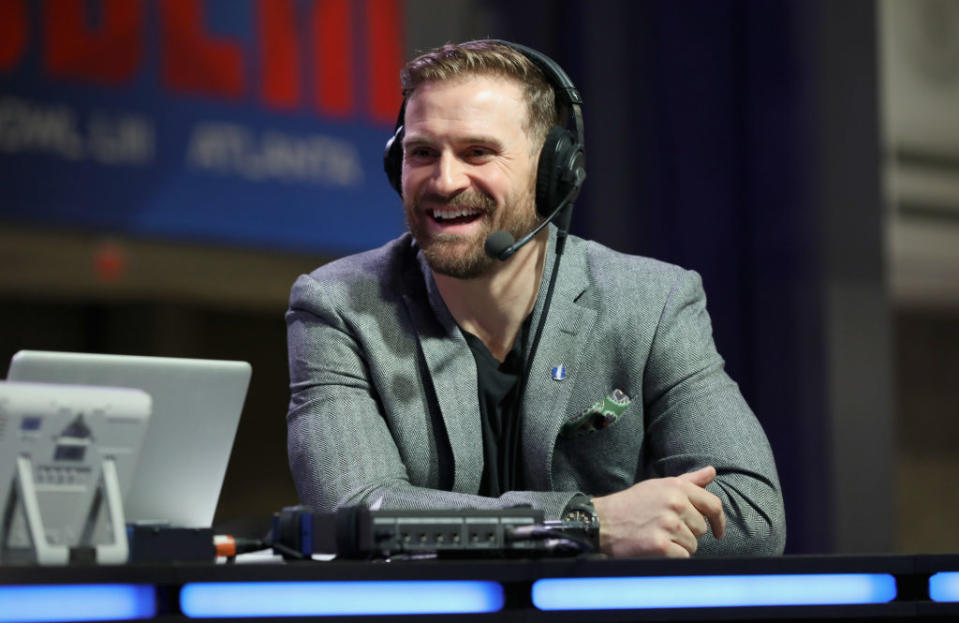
point(553, 172)
point(393, 160)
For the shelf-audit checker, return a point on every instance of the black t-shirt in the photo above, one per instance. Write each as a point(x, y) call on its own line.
point(497, 385)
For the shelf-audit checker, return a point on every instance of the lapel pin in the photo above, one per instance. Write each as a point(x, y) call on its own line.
point(559, 372)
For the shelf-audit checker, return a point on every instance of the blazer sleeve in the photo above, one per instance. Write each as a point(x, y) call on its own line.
point(696, 416)
point(340, 446)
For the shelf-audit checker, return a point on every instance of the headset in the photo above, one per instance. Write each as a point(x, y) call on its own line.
point(562, 167)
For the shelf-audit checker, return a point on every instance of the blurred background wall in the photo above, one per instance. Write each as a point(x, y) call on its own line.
point(168, 167)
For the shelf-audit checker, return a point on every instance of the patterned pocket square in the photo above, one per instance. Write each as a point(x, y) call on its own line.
point(596, 417)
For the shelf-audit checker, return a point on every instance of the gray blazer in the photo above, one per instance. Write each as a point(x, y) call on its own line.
point(384, 405)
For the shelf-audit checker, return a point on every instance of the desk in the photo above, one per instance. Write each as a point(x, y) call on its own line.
point(512, 589)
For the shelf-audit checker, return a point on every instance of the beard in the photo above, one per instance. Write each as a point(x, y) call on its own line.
point(464, 256)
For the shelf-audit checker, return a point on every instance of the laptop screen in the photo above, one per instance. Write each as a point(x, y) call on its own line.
point(196, 411)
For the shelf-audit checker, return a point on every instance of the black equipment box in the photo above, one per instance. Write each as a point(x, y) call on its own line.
point(358, 532)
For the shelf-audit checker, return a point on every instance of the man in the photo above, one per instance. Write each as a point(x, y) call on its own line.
point(409, 364)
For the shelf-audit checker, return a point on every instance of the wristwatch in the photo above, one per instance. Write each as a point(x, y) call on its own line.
point(580, 511)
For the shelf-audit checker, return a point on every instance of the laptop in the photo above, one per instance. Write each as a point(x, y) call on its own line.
point(196, 411)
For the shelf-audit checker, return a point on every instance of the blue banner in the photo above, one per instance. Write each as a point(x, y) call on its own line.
point(245, 122)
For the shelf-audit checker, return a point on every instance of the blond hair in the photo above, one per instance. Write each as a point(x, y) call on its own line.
point(483, 57)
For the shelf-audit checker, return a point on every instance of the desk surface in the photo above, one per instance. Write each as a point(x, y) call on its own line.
point(516, 582)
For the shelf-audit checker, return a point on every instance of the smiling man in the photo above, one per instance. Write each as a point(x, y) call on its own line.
point(416, 380)
point(467, 151)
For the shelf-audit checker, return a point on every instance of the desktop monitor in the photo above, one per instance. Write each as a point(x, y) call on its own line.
point(67, 457)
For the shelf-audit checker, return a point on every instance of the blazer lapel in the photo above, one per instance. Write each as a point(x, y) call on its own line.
point(453, 373)
point(563, 343)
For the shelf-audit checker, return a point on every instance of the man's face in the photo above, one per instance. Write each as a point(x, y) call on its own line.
point(468, 170)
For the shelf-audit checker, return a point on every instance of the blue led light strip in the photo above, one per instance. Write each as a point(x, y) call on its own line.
point(714, 591)
point(944, 586)
point(77, 602)
point(265, 599)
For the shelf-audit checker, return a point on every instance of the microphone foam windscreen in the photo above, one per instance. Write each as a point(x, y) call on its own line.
point(497, 242)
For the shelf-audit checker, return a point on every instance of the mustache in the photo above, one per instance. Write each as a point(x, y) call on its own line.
point(465, 199)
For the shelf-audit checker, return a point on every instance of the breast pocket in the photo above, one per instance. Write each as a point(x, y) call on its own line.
point(596, 417)
point(599, 448)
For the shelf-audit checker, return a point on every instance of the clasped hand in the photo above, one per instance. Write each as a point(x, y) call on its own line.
point(660, 516)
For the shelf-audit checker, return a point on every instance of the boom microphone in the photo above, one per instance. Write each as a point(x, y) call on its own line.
point(497, 243)
point(501, 245)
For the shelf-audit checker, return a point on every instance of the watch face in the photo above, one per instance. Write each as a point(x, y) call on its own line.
point(579, 515)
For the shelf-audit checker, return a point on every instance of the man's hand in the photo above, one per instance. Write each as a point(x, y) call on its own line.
point(660, 516)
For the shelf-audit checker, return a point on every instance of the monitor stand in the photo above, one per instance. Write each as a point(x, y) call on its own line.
point(23, 496)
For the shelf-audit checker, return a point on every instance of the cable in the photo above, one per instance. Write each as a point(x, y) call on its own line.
point(540, 532)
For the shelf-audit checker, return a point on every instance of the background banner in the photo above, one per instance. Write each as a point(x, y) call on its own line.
point(247, 122)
